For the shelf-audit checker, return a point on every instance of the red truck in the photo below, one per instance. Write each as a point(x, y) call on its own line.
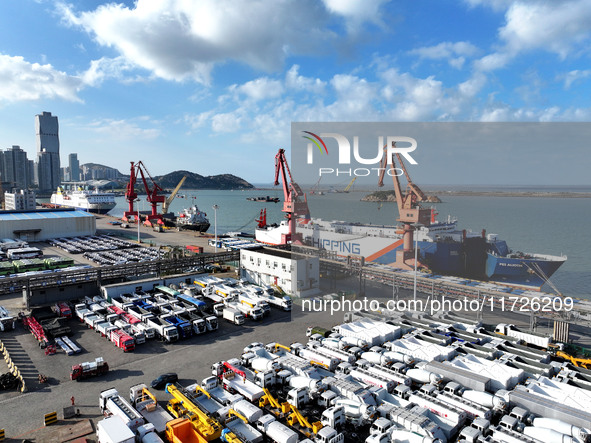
point(62, 309)
point(89, 369)
point(122, 340)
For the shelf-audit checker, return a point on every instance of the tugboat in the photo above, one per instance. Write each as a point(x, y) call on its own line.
point(193, 219)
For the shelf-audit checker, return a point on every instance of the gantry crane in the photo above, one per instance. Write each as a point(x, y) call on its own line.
point(293, 206)
point(153, 195)
point(409, 210)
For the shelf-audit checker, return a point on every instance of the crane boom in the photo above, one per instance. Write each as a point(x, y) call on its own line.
point(173, 194)
point(409, 211)
point(292, 205)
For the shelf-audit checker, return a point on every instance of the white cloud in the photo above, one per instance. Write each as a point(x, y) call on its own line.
point(122, 129)
point(495, 5)
point(492, 61)
point(104, 68)
point(563, 28)
point(558, 27)
point(454, 53)
point(261, 88)
point(226, 122)
point(183, 39)
point(356, 12)
point(21, 80)
point(573, 76)
point(293, 80)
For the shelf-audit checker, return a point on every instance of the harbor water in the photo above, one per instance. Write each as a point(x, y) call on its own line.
point(529, 224)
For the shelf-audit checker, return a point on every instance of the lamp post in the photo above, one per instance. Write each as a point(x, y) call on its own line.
point(138, 220)
point(416, 226)
point(215, 225)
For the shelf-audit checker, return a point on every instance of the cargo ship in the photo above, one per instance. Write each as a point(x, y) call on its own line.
point(95, 201)
point(442, 249)
point(193, 219)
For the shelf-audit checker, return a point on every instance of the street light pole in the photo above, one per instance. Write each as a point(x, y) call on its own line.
point(138, 221)
point(416, 226)
point(215, 225)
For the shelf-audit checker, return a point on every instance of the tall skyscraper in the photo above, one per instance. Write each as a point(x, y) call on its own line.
point(15, 167)
point(48, 151)
point(74, 167)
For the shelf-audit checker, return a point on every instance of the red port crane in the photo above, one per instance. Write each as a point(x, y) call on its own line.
point(292, 193)
point(152, 193)
point(409, 210)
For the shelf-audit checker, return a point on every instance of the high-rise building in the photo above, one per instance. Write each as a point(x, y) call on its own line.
point(15, 167)
point(74, 167)
point(48, 151)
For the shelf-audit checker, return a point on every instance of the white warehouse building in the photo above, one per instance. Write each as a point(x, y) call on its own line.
point(297, 275)
point(40, 225)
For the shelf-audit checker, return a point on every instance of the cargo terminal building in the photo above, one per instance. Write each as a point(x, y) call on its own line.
point(41, 225)
point(297, 275)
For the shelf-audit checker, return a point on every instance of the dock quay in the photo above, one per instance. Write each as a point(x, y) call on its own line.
point(489, 295)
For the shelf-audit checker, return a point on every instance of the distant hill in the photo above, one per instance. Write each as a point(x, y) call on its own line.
point(196, 181)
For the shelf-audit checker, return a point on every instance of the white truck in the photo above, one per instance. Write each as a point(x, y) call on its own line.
point(316, 356)
point(7, 321)
point(114, 430)
point(539, 340)
point(110, 402)
point(247, 309)
point(237, 384)
point(275, 431)
point(147, 405)
point(164, 330)
point(233, 315)
point(210, 384)
point(244, 432)
point(265, 294)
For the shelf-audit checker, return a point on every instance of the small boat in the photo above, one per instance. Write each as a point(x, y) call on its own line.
point(264, 199)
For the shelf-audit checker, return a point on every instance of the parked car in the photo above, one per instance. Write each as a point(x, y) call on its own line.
point(164, 379)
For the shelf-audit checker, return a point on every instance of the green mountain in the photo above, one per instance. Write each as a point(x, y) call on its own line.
point(196, 181)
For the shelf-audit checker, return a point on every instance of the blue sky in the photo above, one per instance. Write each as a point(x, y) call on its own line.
point(212, 86)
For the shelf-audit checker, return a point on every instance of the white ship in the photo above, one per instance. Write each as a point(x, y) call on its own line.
point(97, 202)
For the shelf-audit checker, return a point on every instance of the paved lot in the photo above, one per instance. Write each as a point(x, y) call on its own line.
point(22, 413)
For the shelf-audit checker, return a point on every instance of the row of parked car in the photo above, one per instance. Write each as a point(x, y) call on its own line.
point(91, 243)
point(122, 256)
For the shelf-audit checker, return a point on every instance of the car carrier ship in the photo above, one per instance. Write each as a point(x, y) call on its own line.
point(442, 248)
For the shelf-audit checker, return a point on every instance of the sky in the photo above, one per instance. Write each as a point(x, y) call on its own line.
point(212, 86)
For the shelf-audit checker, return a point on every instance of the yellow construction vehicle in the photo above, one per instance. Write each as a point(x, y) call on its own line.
point(577, 361)
point(306, 427)
point(181, 430)
point(280, 346)
point(276, 408)
point(181, 406)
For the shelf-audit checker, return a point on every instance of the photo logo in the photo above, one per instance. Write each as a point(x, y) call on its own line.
point(315, 142)
point(390, 148)
point(344, 146)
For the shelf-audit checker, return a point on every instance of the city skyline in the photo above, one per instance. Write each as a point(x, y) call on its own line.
point(195, 85)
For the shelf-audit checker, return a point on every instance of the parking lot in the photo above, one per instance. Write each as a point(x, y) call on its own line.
point(191, 359)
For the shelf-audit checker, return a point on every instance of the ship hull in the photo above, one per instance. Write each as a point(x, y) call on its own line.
point(521, 272)
point(467, 257)
point(93, 209)
point(199, 227)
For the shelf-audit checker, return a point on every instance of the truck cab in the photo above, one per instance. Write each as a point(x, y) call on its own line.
point(380, 426)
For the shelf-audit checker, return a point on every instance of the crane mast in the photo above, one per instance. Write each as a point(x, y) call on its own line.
point(153, 195)
point(292, 206)
point(409, 211)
